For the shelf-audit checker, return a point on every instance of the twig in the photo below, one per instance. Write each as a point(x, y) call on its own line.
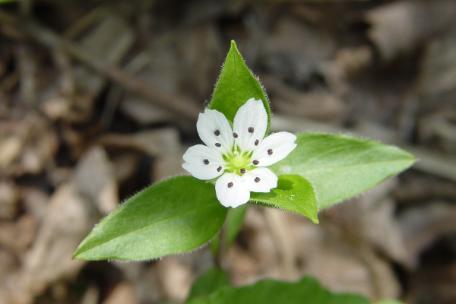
point(27, 65)
point(180, 106)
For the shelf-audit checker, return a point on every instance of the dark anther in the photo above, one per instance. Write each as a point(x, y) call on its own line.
point(251, 129)
point(235, 135)
point(230, 184)
point(257, 179)
point(216, 132)
point(270, 151)
point(219, 169)
point(206, 162)
point(242, 170)
point(218, 145)
point(257, 142)
point(255, 162)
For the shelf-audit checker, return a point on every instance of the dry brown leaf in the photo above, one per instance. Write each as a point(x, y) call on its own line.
point(26, 146)
point(318, 104)
point(424, 225)
point(293, 50)
point(398, 27)
point(310, 249)
point(175, 278)
point(122, 294)
point(17, 236)
point(9, 199)
point(95, 179)
point(49, 259)
point(162, 144)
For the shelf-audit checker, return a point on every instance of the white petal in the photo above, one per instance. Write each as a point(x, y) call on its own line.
point(260, 180)
point(250, 124)
point(215, 130)
point(231, 190)
point(274, 148)
point(203, 162)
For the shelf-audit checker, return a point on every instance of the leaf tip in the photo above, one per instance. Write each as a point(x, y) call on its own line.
point(315, 220)
point(234, 52)
point(411, 159)
point(82, 253)
point(78, 254)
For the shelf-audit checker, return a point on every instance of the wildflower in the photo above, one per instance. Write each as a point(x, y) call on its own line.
point(237, 156)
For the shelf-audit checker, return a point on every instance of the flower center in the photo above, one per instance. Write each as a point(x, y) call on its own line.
point(238, 162)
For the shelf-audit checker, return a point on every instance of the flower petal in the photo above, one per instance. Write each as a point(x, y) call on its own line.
point(250, 124)
point(260, 180)
point(274, 148)
point(215, 130)
point(231, 190)
point(203, 162)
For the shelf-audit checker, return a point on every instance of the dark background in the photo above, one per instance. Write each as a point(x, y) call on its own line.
point(99, 98)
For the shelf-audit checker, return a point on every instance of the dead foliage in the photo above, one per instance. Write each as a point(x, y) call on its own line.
point(98, 99)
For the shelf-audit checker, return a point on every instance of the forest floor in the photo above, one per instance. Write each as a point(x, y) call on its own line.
point(98, 99)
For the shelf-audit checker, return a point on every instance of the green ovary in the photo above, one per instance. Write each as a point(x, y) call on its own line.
point(236, 160)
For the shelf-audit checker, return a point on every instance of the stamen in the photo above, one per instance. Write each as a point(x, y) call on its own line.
point(206, 162)
point(235, 135)
point(242, 170)
point(255, 162)
point(270, 151)
point(257, 179)
point(257, 142)
point(217, 132)
point(218, 145)
point(219, 169)
point(230, 184)
point(250, 129)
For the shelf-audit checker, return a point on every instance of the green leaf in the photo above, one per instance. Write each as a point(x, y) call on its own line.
point(207, 283)
point(388, 302)
point(163, 219)
point(293, 193)
point(236, 84)
point(340, 167)
point(307, 290)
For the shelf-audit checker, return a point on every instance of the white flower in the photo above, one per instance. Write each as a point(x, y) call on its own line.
point(237, 156)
